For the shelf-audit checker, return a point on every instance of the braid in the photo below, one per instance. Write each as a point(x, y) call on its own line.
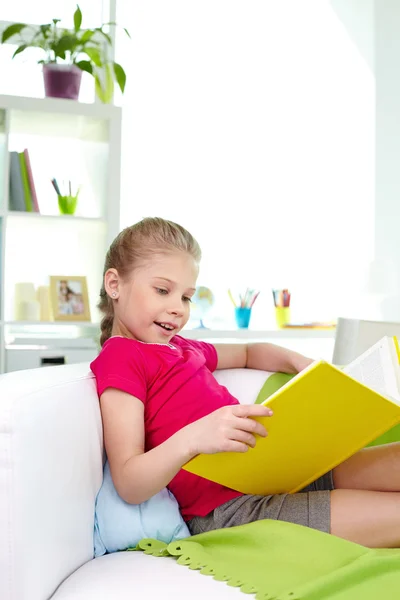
point(106, 306)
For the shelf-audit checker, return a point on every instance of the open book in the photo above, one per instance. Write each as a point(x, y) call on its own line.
point(322, 416)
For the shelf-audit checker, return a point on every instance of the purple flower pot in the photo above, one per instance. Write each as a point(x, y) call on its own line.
point(62, 81)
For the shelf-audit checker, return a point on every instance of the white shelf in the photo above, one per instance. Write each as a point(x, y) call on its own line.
point(54, 117)
point(316, 343)
point(37, 324)
point(60, 106)
point(258, 334)
point(21, 214)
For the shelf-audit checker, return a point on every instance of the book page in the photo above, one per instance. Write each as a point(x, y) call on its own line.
point(378, 368)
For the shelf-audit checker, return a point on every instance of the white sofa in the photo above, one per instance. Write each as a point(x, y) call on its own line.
point(51, 453)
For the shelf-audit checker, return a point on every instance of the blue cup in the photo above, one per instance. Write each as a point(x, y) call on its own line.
point(242, 316)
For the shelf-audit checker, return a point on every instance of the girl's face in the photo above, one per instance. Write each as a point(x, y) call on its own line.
point(154, 304)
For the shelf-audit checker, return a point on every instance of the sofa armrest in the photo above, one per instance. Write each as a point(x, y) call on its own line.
point(51, 453)
point(244, 384)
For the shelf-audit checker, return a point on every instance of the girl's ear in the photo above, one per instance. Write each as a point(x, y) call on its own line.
point(111, 283)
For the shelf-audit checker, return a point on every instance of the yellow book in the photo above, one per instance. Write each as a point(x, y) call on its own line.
point(321, 417)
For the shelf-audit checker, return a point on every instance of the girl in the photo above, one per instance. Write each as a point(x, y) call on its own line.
point(161, 405)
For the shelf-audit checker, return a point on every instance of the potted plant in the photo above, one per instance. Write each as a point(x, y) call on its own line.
point(68, 53)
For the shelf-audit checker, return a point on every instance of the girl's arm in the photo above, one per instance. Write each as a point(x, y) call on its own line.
point(138, 475)
point(267, 357)
point(275, 358)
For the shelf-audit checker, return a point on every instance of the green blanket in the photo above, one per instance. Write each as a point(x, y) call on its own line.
point(282, 561)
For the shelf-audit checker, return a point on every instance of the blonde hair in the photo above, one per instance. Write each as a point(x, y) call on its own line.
point(136, 244)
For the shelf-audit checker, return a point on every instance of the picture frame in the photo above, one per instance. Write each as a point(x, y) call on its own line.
point(69, 298)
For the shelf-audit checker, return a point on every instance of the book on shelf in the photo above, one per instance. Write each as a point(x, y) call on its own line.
point(17, 194)
point(22, 187)
point(321, 417)
point(31, 181)
point(25, 183)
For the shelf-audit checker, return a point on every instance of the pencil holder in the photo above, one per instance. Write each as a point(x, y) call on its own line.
point(282, 316)
point(242, 316)
point(67, 204)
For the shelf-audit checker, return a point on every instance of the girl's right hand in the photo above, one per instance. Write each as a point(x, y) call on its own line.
point(228, 429)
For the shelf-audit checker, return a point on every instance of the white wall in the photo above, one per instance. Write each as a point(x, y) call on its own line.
point(358, 18)
point(253, 125)
point(387, 199)
point(374, 26)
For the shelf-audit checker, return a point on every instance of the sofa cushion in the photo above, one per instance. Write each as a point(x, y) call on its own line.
point(137, 576)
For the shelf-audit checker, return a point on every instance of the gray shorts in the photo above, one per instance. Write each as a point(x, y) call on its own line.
point(310, 507)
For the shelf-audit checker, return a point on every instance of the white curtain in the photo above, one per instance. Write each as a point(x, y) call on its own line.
point(251, 124)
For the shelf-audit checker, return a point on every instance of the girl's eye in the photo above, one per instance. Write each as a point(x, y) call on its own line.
point(187, 299)
point(161, 291)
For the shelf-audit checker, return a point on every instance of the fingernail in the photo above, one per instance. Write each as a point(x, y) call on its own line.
point(270, 412)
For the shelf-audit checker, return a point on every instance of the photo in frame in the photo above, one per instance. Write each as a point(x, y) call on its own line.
point(69, 298)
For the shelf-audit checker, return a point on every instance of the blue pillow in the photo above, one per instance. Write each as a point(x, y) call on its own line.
point(119, 525)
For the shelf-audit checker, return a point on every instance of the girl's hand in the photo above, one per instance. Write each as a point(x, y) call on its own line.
point(302, 362)
point(228, 429)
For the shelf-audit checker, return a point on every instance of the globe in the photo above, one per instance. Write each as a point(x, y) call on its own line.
point(202, 302)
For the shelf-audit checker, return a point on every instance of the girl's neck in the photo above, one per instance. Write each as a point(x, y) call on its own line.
point(122, 331)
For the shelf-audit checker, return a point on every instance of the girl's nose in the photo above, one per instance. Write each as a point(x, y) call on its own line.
point(177, 307)
point(176, 311)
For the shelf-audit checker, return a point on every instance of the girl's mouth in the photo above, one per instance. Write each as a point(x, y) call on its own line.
point(167, 327)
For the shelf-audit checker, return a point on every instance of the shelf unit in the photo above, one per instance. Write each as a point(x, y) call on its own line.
point(68, 140)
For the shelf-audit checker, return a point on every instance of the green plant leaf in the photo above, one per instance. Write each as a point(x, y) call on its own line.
point(109, 87)
point(104, 34)
point(77, 18)
point(20, 49)
point(94, 55)
point(87, 35)
point(85, 65)
point(116, 24)
point(120, 76)
point(98, 87)
point(104, 84)
point(55, 21)
point(12, 30)
point(44, 30)
point(65, 43)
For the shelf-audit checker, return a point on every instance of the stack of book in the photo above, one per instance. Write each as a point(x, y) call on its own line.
point(22, 187)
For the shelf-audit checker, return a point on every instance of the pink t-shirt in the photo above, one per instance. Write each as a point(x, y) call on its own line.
point(176, 385)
